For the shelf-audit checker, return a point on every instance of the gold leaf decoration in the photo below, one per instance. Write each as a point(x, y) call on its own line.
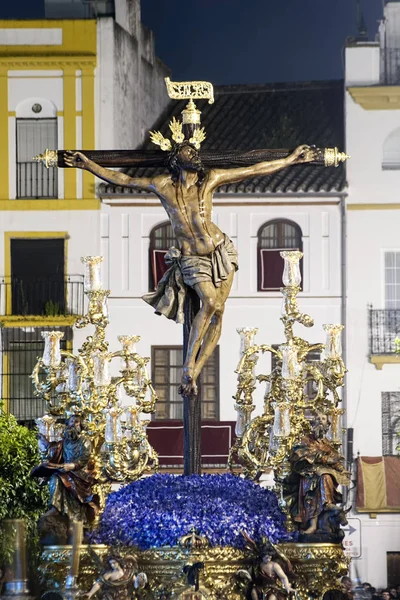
point(176, 129)
point(158, 138)
point(198, 137)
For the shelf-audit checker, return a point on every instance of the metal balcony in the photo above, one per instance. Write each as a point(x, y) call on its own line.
point(35, 181)
point(384, 328)
point(42, 297)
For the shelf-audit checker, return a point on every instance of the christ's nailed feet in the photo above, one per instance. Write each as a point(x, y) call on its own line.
point(188, 385)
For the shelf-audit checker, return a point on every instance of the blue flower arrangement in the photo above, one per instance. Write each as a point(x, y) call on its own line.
point(156, 511)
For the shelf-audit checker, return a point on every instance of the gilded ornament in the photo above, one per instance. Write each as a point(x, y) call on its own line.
point(185, 90)
point(291, 417)
point(80, 385)
point(333, 157)
point(176, 128)
point(158, 139)
point(49, 158)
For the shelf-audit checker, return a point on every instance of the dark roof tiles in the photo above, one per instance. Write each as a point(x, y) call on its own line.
point(281, 115)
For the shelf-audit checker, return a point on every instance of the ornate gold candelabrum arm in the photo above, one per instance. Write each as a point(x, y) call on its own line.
point(82, 384)
point(266, 441)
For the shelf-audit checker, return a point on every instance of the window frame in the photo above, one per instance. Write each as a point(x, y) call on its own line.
point(279, 248)
point(51, 174)
point(13, 342)
point(386, 251)
point(216, 403)
point(390, 422)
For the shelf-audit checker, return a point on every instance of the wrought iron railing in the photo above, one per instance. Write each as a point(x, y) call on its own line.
point(35, 181)
point(42, 297)
point(384, 328)
point(20, 348)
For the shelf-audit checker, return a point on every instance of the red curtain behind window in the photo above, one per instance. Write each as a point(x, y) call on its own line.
point(217, 437)
point(270, 269)
point(158, 265)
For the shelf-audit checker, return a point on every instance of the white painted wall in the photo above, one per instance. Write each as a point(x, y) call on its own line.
point(125, 243)
point(363, 64)
point(378, 536)
point(369, 234)
point(366, 133)
point(130, 88)
point(82, 227)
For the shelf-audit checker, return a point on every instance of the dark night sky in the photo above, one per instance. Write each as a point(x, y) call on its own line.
point(245, 41)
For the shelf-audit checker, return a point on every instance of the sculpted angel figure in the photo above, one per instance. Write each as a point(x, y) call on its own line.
point(118, 580)
point(311, 489)
point(268, 579)
point(206, 259)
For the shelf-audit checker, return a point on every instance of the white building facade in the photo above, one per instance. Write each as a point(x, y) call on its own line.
point(373, 289)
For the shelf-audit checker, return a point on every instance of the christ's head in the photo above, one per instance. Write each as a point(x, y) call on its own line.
point(185, 157)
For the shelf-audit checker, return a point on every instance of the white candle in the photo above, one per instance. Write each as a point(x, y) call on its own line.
point(72, 376)
point(128, 343)
point(52, 350)
point(281, 426)
point(290, 366)
point(101, 371)
point(333, 346)
point(247, 335)
point(92, 278)
point(291, 271)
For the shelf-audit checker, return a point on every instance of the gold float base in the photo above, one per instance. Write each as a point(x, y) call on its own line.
point(318, 568)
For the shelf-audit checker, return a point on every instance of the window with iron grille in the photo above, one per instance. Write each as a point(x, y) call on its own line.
point(313, 356)
point(33, 179)
point(390, 423)
point(20, 349)
point(273, 237)
point(162, 237)
point(166, 368)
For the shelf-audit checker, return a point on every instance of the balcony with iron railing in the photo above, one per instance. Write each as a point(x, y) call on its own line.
point(45, 298)
point(384, 328)
point(35, 181)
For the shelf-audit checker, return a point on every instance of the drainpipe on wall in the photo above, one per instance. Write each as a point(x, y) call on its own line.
point(343, 276)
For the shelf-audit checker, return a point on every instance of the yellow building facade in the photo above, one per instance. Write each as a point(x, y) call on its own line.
point(76, 83)
point(52, 61)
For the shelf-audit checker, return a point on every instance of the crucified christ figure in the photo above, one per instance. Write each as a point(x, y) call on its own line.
point(206, 259)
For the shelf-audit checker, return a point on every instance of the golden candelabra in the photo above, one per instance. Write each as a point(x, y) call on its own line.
point(265, 442)
point(81, 384)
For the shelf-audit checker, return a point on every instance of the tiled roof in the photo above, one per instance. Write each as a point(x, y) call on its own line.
point(283, 115)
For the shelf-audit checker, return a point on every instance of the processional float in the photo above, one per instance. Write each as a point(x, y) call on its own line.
point(81, 383)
